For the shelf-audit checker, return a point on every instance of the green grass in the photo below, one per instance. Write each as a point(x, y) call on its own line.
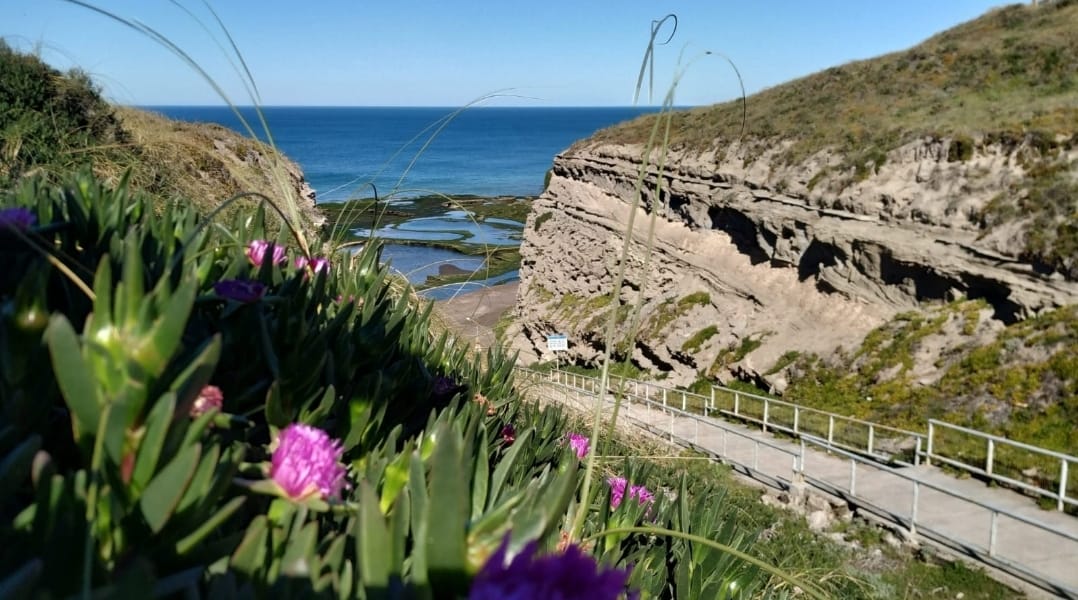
point(693, 344)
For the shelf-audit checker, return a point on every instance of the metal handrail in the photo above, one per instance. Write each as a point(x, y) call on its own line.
point(991, 441)
point(988, 554)
point(924, 448)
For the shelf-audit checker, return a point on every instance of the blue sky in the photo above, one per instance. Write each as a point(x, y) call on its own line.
point(435, 53)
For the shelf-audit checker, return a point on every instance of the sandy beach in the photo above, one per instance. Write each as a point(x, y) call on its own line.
point(474, 314)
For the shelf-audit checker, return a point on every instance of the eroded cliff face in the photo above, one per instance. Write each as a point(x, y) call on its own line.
point(752, 259)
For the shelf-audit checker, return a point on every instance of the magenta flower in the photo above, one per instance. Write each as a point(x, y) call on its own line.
point(17, 218)
point(240, 290)
point(570, 575)
point(209, 398)
point(579, 444)
point(617, 492)
point(318, 264)
point(306, 462)
point(256, 252)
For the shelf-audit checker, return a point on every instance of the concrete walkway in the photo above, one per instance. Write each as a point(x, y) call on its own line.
point(998, 527)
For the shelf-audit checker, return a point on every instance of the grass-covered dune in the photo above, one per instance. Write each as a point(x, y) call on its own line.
point(1005, 82)
point(53, 123)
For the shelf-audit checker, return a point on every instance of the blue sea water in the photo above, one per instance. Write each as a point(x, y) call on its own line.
point(486, 151)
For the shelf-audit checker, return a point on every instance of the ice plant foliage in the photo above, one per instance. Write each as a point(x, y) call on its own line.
point(580, 444)
point(209, 398)
point(257, 249)
point(306, 462)
point(568, 575)
point(17, 218)
point(240, 290)
point(617, 492)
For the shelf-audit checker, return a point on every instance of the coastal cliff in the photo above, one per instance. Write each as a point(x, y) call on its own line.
point(810, 230)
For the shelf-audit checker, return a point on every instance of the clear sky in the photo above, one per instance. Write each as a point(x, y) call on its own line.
point(448, 53)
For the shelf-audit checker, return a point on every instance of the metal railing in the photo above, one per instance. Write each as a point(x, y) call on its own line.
point(884, 443)
point(1028, 457)
point(910, 515)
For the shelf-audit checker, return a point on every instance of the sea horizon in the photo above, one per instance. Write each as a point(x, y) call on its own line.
point(417, 150)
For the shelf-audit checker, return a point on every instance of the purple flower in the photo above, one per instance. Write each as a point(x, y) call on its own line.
point(256, 252)
point(318, 264)
point(240, 290)
point(209, 398)
point(306, 461)
point(570, 575)
point(509, 434)
point(617, 492)
point(579, 444)
point(17, 218)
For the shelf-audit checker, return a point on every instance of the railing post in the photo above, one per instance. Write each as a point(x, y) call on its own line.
point(853, 477)
point(724, 455)
point(696, 432)
point(737, 403)
point(917, 453)
point(766, 406)
point(713, 398)
point(797, 415)
point(802, 457)
point(871, 436)
point(913, 510)
point(1062, 483)
point(830, 430)
point(684, 405)
point(756, 455)
point(928, 454)
point(671, 426)
point(991, 455)
point(664, 398)
point(992, 534)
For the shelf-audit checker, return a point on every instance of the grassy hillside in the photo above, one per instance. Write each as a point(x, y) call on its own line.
point(54, 123)
point(1010, 73)
point(1008, 78)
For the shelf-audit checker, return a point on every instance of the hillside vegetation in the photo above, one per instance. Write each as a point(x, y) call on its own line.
point(1008, 79)
point(54, 123)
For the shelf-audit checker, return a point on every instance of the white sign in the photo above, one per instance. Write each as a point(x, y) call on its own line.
point(557, 341)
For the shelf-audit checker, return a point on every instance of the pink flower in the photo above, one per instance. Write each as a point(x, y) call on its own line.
point(617, 492)
point(306, 461)
point(209, 398)
point(318, 264)
point(579, 444)
point(256, 252)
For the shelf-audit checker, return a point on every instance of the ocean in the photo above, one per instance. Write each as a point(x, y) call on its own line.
point(487, 151)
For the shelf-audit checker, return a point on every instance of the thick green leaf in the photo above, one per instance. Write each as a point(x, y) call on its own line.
point(149, 451)
point(73, 376)
point(250, 555)
point(16, 466)
point(164, 492)
point(200, 482)
point(188, 543)
point(299, 550)
point(507, 462)
point(446, 527)
point(372, 540)
point(156, 348)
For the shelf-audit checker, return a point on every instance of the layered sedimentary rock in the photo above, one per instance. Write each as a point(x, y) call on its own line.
point(752, 258)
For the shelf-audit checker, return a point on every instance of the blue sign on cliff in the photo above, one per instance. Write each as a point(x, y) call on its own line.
point(557, 341)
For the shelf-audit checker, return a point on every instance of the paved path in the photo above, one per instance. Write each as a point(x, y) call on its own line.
point(964, 515)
